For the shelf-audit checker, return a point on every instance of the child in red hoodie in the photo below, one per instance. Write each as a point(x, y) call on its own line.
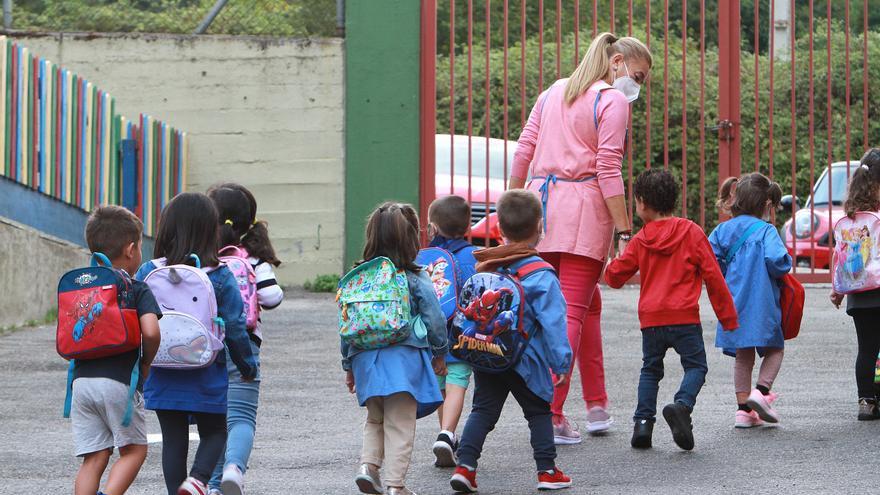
point(674, 258)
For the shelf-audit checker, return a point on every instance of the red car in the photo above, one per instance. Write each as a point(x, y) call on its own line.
point(808, 237)
point(481, 193)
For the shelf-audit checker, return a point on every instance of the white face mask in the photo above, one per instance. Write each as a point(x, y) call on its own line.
point(627, 85)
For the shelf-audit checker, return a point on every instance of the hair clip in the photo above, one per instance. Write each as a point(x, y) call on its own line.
point(865, 166)
point(229, 222)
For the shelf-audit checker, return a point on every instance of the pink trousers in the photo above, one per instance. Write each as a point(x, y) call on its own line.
point(579, 277)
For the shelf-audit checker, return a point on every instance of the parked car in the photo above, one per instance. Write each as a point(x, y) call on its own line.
point(808, 235)
point(482, 193)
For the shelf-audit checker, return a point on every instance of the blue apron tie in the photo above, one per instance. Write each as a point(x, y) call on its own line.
point(545, 190)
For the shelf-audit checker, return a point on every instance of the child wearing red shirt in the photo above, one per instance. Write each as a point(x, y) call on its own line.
point(673, 257)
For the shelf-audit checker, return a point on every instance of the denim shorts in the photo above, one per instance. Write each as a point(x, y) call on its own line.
point(459, 374)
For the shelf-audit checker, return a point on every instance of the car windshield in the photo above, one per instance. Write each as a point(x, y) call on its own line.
point(838, 187)
point(478, 156)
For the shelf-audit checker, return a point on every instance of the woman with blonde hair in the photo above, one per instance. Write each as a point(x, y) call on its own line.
point(572, 151)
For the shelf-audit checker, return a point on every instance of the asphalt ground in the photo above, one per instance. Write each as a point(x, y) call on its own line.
point(309, 427)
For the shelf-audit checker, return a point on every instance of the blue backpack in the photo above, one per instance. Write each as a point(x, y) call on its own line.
point(442, 268)
point(487, 330)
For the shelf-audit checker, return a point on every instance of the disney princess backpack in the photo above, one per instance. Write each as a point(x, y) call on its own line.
point(192, 333)
point(488, 330)
point(855, 264)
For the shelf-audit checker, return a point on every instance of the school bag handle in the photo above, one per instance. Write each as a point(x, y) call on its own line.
point(99, 259)
point(195, 258)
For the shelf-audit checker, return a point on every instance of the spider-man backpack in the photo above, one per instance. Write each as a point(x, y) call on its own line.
point(488, 330)
point(96, 320)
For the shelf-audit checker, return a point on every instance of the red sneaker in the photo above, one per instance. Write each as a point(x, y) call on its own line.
point(464, 480)
point(553, 480)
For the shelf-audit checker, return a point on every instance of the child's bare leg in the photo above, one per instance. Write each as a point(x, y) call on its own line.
point(125, 470)
point(440, 409)
point(89, 476)
point(742, 374)
point(452, 405)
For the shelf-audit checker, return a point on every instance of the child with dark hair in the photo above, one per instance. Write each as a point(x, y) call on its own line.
point(396, 383)
point(239, 228)
point(674, 259)
point(864, 307)
point(100, 393)
point(189, 225)
point(449, 220)
point(529, 381)
point(753, 259)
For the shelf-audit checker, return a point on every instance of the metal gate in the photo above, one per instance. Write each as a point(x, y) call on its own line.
point(775, 86)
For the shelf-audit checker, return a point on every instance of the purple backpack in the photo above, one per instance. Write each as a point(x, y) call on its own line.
point(236, 259)
point(192, 333)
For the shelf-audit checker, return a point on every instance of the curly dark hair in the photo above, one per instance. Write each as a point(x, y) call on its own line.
point(657, 190)
point(864, 185)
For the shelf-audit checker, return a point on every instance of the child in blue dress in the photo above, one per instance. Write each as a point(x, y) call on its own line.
point(397, 384)
point(189, 225)
point(753, 258)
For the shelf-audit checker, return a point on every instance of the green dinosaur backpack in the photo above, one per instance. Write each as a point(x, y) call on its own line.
point(374, 305)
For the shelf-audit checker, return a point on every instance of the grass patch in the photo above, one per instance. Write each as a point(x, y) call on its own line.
point(49, 317)
point(322, 283)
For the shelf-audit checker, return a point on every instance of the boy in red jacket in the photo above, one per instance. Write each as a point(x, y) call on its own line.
point(674, 258)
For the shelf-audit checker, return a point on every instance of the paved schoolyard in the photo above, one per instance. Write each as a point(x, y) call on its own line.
point(308, 435)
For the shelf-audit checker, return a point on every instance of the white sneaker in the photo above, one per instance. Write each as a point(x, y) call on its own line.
point(233, 480)
point(214, 491)
point(565, 432)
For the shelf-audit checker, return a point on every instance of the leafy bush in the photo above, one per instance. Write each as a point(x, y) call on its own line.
point(322, 283)
point(783, 158)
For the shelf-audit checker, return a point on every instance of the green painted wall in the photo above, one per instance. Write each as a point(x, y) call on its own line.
point(381, 110)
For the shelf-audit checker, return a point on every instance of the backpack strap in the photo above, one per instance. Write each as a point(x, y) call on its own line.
point(742, 239)
point(241, 253)
point(132, 388)
point(68, 395)
point(529, 268)
point(457, 245)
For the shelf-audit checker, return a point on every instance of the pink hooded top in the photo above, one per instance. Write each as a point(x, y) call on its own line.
point(564, 141)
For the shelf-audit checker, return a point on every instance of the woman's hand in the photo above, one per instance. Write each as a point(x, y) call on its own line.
point(836, 299)
point(349, 381)
point(439, 365)
point(621, 246)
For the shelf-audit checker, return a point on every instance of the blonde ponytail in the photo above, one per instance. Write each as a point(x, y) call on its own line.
point(597, 62)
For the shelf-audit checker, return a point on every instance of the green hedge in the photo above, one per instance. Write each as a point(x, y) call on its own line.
point(782, 144)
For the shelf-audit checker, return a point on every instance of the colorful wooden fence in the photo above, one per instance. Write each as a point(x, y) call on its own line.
point(62, 136)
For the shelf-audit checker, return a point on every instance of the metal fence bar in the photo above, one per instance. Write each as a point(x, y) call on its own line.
point(793, 132)
point(684, 121)
point(812, 134)
point(665, 84)
point(209, 18)
point(488, 29)
point(757, 48)
point(703, 113)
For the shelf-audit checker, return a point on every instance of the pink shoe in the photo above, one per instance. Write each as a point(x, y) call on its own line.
point(763, 405)
point(747, 420)
point(564, 432)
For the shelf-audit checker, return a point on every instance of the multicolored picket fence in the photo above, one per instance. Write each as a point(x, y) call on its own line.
point(63, 137)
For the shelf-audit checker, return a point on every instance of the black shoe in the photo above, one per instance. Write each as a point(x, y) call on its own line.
point(868, 410)
point(444, 451)
point(679, 418)
point(642, 434)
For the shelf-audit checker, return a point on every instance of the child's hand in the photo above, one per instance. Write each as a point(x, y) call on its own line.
point(561, 380)
point(439, 365)
point(349, 381)
point(836, 299)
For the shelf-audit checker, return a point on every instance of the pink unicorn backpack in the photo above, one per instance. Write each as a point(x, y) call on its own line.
point(192, 332)
point(236, 259)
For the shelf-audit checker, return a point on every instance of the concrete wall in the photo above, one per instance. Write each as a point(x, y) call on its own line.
point(268, 113)
point(32, 264)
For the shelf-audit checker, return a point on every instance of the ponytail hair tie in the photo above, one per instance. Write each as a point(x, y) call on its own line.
point(254, 222)
point(229, 222)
